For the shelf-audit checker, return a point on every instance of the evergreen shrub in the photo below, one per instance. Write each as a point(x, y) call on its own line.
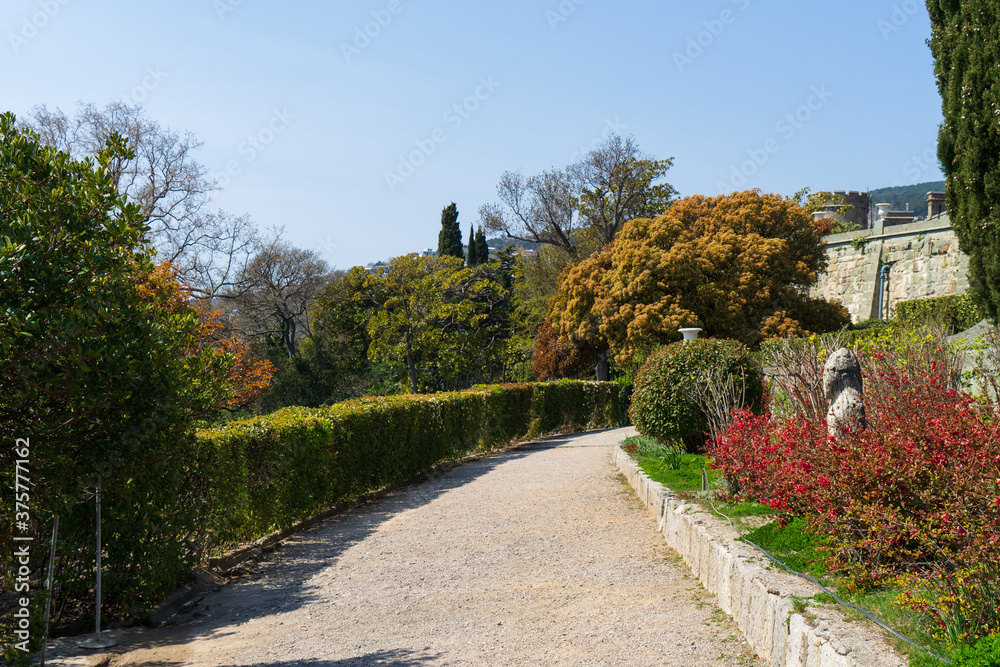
point(955, 313)
point(265, 473)
point(661, 404)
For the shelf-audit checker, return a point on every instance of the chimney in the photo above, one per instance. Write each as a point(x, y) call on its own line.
point(935, 204)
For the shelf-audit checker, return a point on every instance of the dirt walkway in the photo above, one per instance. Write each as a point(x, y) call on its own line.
point(538, 556)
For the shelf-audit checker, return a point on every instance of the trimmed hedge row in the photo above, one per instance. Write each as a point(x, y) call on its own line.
point(266, 473)
point(956, 313)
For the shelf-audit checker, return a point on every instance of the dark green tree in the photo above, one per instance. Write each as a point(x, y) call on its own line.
point(101, 373)
point(472, 258)
point(965, 38)
point(482, 249)
point(450, 236)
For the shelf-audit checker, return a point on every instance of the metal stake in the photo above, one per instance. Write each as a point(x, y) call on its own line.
point(98, 641)
point(48, 584)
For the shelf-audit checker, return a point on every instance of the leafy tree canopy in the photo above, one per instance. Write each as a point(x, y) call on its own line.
point(104, 362)
point(439, 318)
point(735, 265)
point(583, 206)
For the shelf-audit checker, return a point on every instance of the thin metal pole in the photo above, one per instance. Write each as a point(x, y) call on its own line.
point(97, 642)
point(48, 584)
point(97, 615)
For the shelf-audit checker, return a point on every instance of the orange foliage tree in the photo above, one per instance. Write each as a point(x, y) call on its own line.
point(735, 265)
point(246, 377)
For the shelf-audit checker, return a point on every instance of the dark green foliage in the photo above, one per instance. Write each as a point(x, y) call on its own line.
point(956, 313)
point(266, 473)
point(100, 368)
point(914, 195)
point(965, 39)
point(479, 251)
point(661, 405)
point(986, 653)
point(482, 248)
point(450, 236)
point(333, 365)
point(472, 258)
point(868, 325)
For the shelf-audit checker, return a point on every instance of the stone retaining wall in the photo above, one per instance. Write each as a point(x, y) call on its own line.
point(924, 260)
point(754, 593)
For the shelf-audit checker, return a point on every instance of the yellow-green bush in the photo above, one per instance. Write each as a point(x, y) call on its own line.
point(954, 313)
point(266, 473)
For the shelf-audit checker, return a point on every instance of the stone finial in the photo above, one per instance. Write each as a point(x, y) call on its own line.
point(844, 388)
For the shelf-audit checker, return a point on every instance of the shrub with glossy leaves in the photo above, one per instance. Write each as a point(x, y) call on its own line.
point(662, 406)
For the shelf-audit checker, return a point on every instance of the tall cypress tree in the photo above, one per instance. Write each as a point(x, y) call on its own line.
point(482, 250)
point(965, 40)
point(473, 258)
point(450, 236)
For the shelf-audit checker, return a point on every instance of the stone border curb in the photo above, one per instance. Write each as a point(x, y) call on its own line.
point(758, 597)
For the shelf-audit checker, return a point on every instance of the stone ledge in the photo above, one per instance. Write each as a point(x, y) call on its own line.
point(760, 599)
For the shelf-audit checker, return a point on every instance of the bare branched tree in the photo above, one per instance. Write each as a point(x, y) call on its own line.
point(616, 183)
point(582, 207)
point(718, 392)
point(275, 290)
point(540, 209)
point(172, 189)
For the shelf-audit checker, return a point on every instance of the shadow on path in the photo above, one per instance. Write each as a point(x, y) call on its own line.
point(278, 584)
point(389, 658)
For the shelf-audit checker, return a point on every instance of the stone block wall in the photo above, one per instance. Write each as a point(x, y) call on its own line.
point(924, 261)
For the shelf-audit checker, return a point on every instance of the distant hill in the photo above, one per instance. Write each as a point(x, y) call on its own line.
point(914, 195)
point(503, 242)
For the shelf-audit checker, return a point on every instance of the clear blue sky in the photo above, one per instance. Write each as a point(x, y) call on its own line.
point(306, 118)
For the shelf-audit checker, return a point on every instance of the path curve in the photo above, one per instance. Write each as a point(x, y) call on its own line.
point(537, 556)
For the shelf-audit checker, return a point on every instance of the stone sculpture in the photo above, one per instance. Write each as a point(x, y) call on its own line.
point(844, 388)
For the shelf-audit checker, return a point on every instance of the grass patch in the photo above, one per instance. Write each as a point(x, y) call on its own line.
point(793, 545)
point(684, 474)
point(747, 508)
point(668, 465)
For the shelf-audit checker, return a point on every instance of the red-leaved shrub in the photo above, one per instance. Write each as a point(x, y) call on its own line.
point(918, 492)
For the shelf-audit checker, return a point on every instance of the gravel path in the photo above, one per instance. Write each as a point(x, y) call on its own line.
point(537, 556)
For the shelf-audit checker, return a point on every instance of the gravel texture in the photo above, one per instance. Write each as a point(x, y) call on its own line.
point(541, 555)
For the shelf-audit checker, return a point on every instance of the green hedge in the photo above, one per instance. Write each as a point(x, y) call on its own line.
point(239, 482)
point(268, 472)
point(957, 313)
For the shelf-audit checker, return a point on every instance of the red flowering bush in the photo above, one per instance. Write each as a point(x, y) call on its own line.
point(918, 492)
